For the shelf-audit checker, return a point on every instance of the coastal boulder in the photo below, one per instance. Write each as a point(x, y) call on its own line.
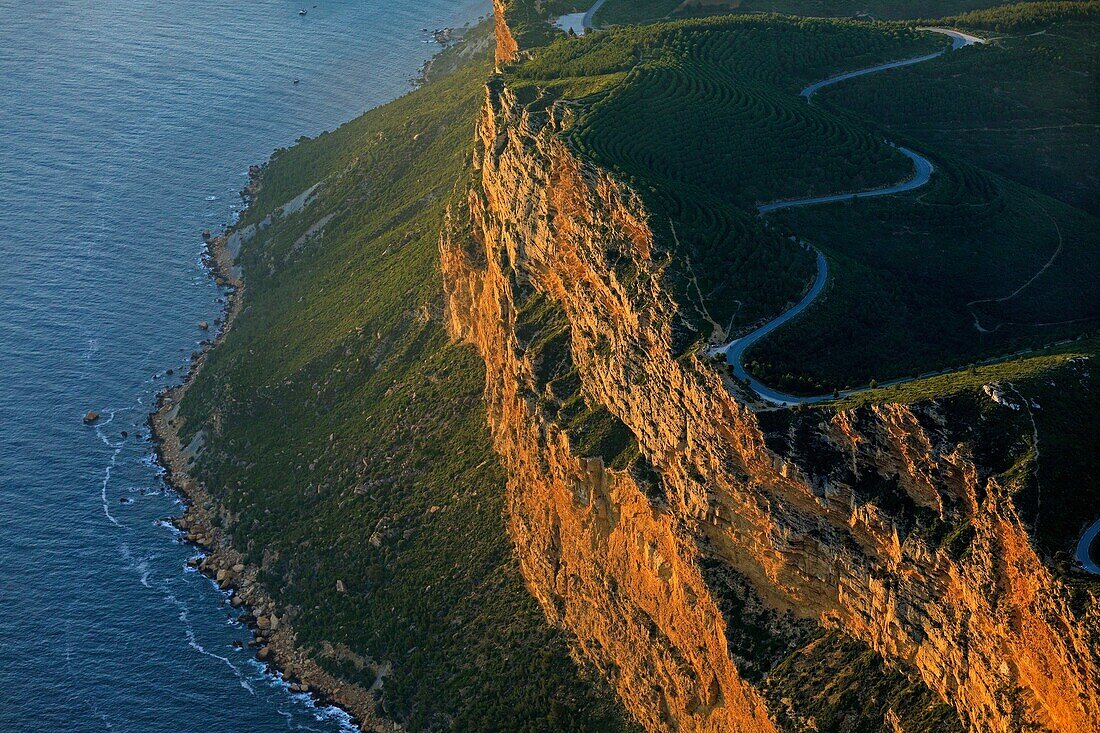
point(90, 417)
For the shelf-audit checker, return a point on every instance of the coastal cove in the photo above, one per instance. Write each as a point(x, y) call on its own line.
point(131, 133)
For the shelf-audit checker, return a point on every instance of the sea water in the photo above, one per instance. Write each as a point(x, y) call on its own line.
point(126, 128)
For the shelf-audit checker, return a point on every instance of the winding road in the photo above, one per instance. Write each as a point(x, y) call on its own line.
point(923, 168)
point(734, 351)
point(958, 40)
point(1083, 546)
point(579, 23)
point(923, 172)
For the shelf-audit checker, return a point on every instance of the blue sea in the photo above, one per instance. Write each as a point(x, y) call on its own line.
point(126, 128)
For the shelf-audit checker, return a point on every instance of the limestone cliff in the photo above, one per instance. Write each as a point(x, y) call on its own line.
point(506, 48)
point(880, 522)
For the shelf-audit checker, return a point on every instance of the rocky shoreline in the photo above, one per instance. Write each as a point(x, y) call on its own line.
point(458, 45)
point(273, 639)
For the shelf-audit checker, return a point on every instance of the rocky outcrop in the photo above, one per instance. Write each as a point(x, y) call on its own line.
point(879, 522)
point(507, 48)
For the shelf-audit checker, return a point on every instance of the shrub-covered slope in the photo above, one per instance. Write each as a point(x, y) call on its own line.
point(346, 441)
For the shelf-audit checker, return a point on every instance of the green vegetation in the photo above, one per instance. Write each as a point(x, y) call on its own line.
point(346, 437)
point(912, 275)
point(1060, 496)
point(616, 12)
point(1028, 16)
point(972, 266)
point(703, 119)
point(528, 23)
point(1025, 106)
point(628, 12)
point(530, 20)
point(969, 379)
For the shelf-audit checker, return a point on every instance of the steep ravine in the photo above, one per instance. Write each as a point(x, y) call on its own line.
point(843, 535)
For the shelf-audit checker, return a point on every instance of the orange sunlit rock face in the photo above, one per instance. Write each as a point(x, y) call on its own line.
point(990, 631)
point(507, 48)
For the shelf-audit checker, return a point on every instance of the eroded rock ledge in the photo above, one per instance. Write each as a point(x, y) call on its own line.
point(833, 522)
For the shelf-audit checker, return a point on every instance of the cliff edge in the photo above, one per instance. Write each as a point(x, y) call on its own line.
point(636, 476)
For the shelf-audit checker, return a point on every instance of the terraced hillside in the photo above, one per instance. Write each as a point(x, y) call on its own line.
point(973, 266)
point(1025, 107)
point(346, 445)
point(703, 118)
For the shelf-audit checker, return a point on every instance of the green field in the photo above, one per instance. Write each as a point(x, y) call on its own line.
point(911, 275)
point(1026, 106)
point(973, 265)
point(348, 440)
point(639, 11)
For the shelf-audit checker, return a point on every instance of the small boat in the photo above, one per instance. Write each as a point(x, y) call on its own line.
point(301, 12)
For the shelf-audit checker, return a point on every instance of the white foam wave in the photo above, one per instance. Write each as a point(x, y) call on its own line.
point(165, 524)
point(320, 713)
point(193, 642)
point(103, 488)
point(138, 565)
